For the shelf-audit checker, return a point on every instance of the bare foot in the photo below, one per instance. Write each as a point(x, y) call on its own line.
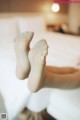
point(22, 43)
point(37, 56)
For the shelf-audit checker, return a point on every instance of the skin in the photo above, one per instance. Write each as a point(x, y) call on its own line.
point(21, 44)
point(36, 57)
point(52, 77)
point(62, 78)
point(40, 75)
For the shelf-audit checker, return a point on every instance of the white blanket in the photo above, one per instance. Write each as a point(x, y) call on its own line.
point(63, 51)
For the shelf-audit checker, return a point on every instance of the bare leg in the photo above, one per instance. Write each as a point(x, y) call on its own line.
point(47, 76)
point(61, 70)
point(62, 81)
point(59, 80)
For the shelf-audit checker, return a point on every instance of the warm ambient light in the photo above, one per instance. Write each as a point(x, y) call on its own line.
point(55, 7)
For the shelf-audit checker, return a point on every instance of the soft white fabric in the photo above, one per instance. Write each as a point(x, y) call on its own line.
point(14, 92)
point(36, 24)
point(63, 51)
point(8, 27)
point(65, 104)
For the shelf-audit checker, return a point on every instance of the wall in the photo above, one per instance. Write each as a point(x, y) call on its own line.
point(74, 17)
point(34, 7)
point(50, 18)
point(29, 6)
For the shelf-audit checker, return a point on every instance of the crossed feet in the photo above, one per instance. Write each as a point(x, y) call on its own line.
point(30, 62)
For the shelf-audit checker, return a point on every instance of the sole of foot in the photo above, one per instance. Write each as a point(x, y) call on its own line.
point(22, 47)
point(37, 58)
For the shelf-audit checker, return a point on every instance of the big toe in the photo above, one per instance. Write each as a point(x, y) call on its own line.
point(25, 35)
point(29, 35)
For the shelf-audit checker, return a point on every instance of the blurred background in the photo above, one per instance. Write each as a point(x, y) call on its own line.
point(57, 17)
point(45, 17)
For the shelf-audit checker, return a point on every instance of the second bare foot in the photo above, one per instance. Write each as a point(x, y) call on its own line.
point(37, 57)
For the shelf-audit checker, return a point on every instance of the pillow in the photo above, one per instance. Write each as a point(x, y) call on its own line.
point(35, 24)
point(8, 27)
point(7, 49)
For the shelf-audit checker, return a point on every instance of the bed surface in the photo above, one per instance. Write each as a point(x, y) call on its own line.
point(64, 50)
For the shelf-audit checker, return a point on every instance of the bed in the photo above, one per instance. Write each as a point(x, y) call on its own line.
point(64, 50)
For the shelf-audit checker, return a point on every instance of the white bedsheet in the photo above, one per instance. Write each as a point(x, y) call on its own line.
point(63, 51)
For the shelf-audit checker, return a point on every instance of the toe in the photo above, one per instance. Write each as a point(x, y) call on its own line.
point(29, 35)
point(24, 35)
point(43, 42)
